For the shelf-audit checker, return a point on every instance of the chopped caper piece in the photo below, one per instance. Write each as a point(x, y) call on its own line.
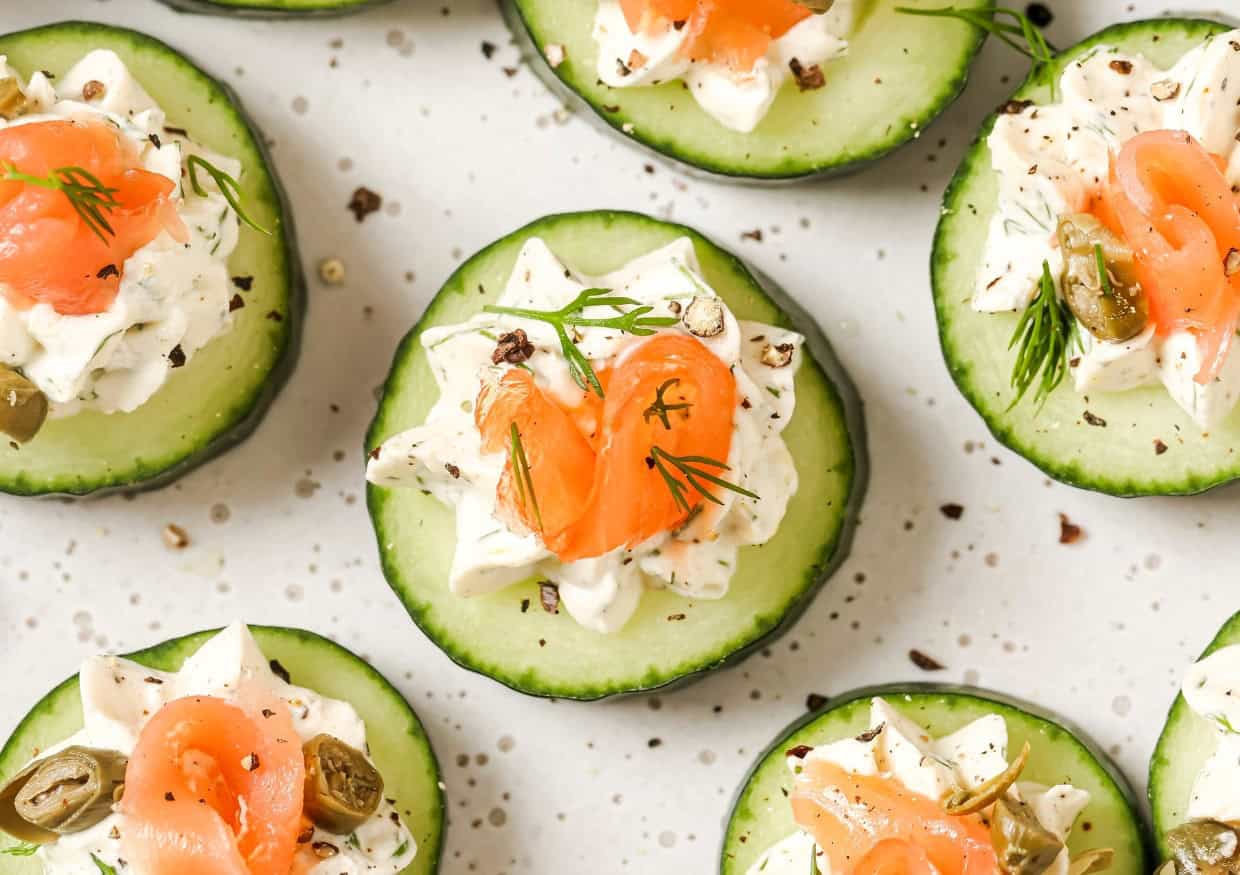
point(1100, 282)
point(342, 788)
point(973, 801)
point(12, 99)
point(64, 793)
point(1204, 847)
point(1092, 861)
point(23, 407)
point(1023, 845)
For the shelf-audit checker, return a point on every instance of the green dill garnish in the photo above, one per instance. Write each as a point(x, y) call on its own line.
point(402, 850)
point(228, 186)
point(690, 468)
point(104, 868)
point(87, 194)
point(634, 322)
point(1020, 33)
point(25, 849)
point(1103, 279)
point(661, 408)
point(1225, 724)
point(352, 841)
point(521, 472)
point(773, 391)
point(1044, 336)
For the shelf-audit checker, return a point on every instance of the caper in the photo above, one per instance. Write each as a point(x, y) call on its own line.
point(1204, 847)
point(973, 801)
point(342, 788)
point(1023, 845)
point(23, 407)
point(12, 99)
point(64, 793)
point(1108, 298)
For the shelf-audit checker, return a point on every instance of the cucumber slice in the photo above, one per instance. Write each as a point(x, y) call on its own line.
point(1059, 753)
point(216, 400)
point(501, 635)
point(397, 742)
point(273, 8)
point(1187, 741)
point(1120, 458)
point(900, 72)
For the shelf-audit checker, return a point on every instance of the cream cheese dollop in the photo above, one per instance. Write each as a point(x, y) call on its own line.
point(1049, 159)
point(120, 696)
point(172, 296)
point(445, 458)
point(1212, 690)
point(898, 748)
point(737, 99)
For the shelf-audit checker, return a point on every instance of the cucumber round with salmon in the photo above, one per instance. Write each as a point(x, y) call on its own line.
point(274, 8)
point(245, 751)
point(1086, 268)
point(933, 778)
point(754, 89)
point(1193, 772)
point(150, 291)
point(609, 457)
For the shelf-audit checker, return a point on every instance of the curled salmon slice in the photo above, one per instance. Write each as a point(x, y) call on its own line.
point(48, 253)
point(732, 32)
point(874, 825)
point(1169, 199)
point(596, 487)
point(214, 788)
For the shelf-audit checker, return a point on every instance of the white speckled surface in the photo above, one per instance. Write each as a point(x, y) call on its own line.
point(402, 100)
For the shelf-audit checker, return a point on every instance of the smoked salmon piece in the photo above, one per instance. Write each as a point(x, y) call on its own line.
point(1168, 198)
point(874, 825)
point(214, 788)
point(596, 486)
point(47, 252)
point(732, 32)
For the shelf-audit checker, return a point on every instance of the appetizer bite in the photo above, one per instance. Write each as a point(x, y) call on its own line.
point(1087, 264)
point(758, 89)
point(606, 458)
point(273, 8)
point(149, 288)
point(1195, 770)
point(926, 778)
point(201, 755)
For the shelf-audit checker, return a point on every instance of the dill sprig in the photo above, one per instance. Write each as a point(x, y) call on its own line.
point(1104, 281)
point(690, 467)
point(1020, 33)
point(1044, 336)
point(521, 472)
point(87, 194)
point(228, 186)
point(25, 849)
point(660, 408)
point(634, 322)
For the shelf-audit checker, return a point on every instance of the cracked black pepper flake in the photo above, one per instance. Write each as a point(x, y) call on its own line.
point(924, 662)
point(245, 283)
point(871, 734)
point(755, 235)
point(1015, 107)
point(549, 596)
point(814, 701)
point(1159, 447)
point(92, 89)
point(155, 141)
point(275, 316)
point(952, 511)
point(654, 742)
point(364, 202)
point(488, 49)
point(808, 78)
point(236, 303)
point(280, 671)
point(525, 605)
point(151, 680)
point(799, 752)
point(1094, 420)
point(1124, 68)
point(108, 270)
point(514, 347)
point(176, 357)
point(1069, 532)
point(453, 471)
point(268, 713)
point(672, 618)
point(169, 797)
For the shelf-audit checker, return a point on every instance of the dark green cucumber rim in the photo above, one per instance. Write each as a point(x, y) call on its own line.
point(273, 8)
point(303, 634)
point(514, 16)
point(283, 367)
point(835, 553)
point(1228, 634)
point(976, 160)
point(1104, 761)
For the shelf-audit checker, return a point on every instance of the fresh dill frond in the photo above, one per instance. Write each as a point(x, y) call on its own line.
point(1043, 338)
point(691, 468)
point(521, 472)
point(87, 194)
point(229, 187)
point(661, 408)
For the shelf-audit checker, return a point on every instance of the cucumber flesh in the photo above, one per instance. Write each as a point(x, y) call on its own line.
point(273, 8)
point(217, 399)
point(506, 635)
point(398, 744)
point(761, 814)
point(1186, 742)
point(900, 72)
point(1123, 457)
